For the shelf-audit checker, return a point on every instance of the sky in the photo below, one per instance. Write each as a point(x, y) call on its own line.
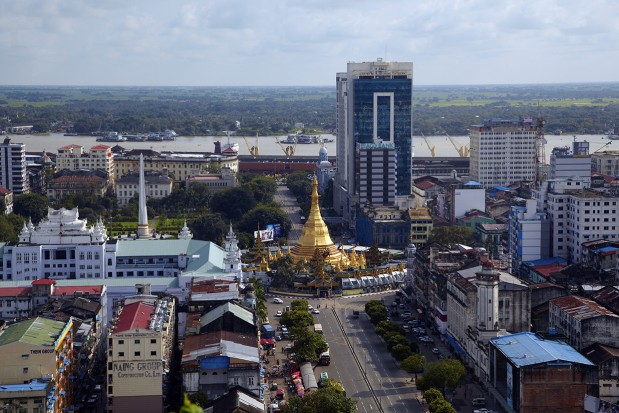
point(305, 42)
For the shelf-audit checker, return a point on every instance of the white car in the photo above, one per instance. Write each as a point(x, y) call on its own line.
point(277, 301)
point(315, 311)
point(435, 351)
point(278, 313)
point(309, 307)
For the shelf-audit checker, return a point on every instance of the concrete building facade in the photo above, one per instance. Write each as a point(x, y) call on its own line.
point(13, 167)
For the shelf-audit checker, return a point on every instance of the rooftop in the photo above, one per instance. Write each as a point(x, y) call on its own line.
point(134, 316)
point(527, 349)
point(581, 308)
point(37, 331)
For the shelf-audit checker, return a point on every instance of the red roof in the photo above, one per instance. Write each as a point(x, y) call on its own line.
point(4, 190)
point(15, 291)
point(85, 289)
point(424, 185)
point(72, 146)
point(548, 269)
point(44, 281)
point(100, 148)
point(135, 315)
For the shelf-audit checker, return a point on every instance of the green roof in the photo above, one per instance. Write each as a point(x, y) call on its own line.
point(209, 257)
point(235, 309)
point(37, 331)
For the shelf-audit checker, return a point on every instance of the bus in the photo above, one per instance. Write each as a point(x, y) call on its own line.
point(318, 328)
point(325, 358)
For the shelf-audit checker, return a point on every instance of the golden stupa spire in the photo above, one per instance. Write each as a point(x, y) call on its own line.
point(315, 235)
point(353, 259)
point(362, 260)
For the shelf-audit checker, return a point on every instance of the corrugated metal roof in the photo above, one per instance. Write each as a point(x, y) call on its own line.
point(218, 312)
point(581, 308)
point(37, 331)
point(527, 349)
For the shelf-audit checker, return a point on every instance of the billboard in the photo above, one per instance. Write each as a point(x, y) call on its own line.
point(509, 396)
point(265, 235)
point(276, 228)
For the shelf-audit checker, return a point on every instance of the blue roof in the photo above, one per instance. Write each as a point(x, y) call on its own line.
point(502, 188)
point(23, 387)
point(526, 349)
point(605, 249)
point(214, 363)
point(545, 261)
point(472, 183)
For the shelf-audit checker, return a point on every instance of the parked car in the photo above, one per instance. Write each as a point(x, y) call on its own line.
point(278, 301)
point(435, 350)
point(315, 311)
point(479, 401)
point(278, 313)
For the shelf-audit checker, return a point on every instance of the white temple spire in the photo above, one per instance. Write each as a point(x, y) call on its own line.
point(143, 230)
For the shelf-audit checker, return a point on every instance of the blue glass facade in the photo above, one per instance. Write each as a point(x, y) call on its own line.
point(391, 94)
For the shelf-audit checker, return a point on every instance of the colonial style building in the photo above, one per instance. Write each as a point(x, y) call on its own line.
point(157, 185)
point(72, 157)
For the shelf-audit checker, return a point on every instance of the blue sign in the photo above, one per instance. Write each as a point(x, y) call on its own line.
point(276, 228)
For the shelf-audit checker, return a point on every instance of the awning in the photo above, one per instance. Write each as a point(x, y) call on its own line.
point(264, 341)
point(454, 344)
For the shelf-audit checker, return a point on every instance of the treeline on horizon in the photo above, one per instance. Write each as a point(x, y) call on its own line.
point(572, 108)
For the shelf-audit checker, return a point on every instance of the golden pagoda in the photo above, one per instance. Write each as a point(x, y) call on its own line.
point(315, 235)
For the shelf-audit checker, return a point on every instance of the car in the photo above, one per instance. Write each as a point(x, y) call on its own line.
point(278, 301)
point(435, 350)
point(315, 311)
point(309, 307)
point(278, 313)
point(482, 410)
point(479, 401)
point(278, 337)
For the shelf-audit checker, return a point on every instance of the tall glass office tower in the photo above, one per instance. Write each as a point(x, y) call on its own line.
point(374, 107)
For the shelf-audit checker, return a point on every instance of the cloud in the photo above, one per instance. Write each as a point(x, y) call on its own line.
point(236, 42)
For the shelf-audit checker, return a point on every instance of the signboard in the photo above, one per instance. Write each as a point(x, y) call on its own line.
point(276, 228)
point(137, 369)
point(265, 235)
point(509, 398)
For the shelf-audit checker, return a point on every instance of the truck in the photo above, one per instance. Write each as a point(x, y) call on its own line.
point(318, 328)
point(268, 331)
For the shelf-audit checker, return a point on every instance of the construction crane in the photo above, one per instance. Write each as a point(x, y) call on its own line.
point(253, 150)
point(288, 150)
point(463, 150)
point(431, 147)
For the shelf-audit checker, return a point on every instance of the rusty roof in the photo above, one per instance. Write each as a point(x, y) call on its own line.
point(581, 308)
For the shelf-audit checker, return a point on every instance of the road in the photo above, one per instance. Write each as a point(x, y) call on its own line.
point(289, 204)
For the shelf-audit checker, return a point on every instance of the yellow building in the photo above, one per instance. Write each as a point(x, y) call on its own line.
point(139, 350)
point(180, 166)
point(315, 235)
point(40, 350)
point(421, 225)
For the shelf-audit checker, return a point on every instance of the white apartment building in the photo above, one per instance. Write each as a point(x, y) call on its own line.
point(13, 172)
point(73, 157)
point(529, 235)
point(574, 163)
point(605, 162)
point(503, 152)
point(577, 214)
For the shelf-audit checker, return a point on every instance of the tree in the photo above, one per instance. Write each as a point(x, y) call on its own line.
point(262, 215)
point(441, 406)
point(233, 203)
point(282, 271)
point(262, 188)
point(209, 227)
point(450, 235)
point(7, 232)
point(31, 206)
point(441, 374)
point(321, 401)
point(308, 345)
point(189, 407)
point(433, 394)
point(299, 305)
point(332, 384)
point(413, 364)
point(401, 351)
point(199, 398)
point(373, 257)
point(297, 319)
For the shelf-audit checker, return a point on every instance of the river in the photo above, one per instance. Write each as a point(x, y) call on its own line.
point(267, 145)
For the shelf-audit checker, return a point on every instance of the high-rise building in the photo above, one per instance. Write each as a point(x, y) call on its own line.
point(503, 151)
point(374, 101)
point(13, 172)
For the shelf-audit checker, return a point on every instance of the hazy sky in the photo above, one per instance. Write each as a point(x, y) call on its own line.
point(305, 42)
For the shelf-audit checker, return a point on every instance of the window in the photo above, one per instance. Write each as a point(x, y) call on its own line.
point(137, 341)
point(153, 341)
point(153, 353)
point(25, 370)
point(137, 353)
point(121, 354)
point(235, 380)
point(250, 381)
point(121, 341)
